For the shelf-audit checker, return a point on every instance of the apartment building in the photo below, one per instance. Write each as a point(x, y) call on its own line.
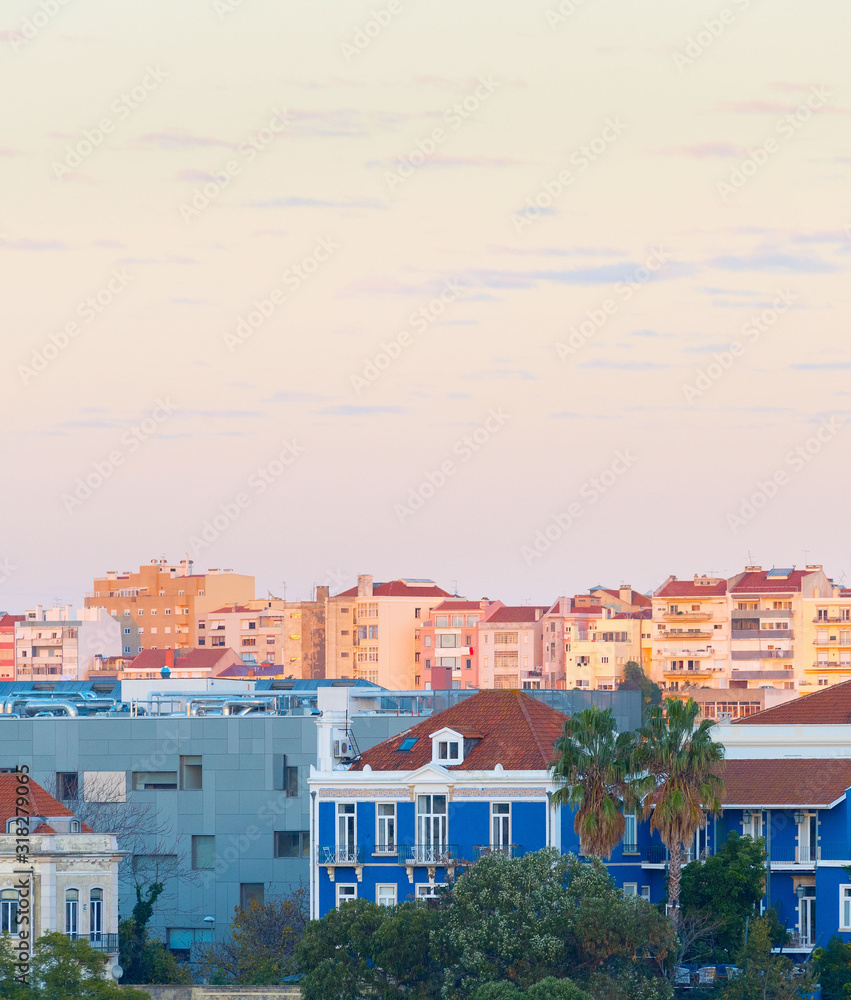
point(287, 634)
point(59, 644)
point(448, 650)
point(510, 642)
point(371, 630)
point(691, 633)
point(7, 645)
point(165, 601)
point(768, 645)
point(825, 639)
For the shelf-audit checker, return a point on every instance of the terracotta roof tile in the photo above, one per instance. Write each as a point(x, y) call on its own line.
point(398, 588)
point(41, 803)
point(518, 731)
point(828, 707)
point(451, 605)
point(635, 599)
point(525, 613)
point(761, 583)
point(790, 782)
point(688, 588)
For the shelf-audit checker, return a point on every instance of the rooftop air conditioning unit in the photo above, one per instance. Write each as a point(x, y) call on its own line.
point(342, 748)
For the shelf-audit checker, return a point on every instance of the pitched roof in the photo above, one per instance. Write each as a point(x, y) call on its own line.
point(231, 609)
point(829, 707)
point(524, 613)
point(8, 621)
point(644, 613)
point(398, 588)
point(194, 659)
point(40, 802)
point(762, 583)
point(785, 783)
point(585, 609)
point(635, 599)
point(692, 588)
point(518, 731)
point(453, 605)
point(251, 670)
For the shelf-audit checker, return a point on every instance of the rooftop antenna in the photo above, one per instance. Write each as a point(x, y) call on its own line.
point(806, 557)
point(455, 588)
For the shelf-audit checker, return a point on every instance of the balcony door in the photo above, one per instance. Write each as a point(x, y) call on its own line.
point(501, 826)
point(431, 827)
point(807, 917)
point(346, 842)
point(807, 839)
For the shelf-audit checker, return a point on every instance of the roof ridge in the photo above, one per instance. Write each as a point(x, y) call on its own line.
point(521, 702)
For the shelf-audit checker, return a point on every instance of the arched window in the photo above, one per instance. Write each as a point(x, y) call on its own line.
point(9, 911)
point(95, 915)
point(72, 906)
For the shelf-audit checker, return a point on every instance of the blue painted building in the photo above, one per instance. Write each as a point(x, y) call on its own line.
point(474, 779)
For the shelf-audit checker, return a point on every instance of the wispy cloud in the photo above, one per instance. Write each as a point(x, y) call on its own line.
point(174, 139)
point(294, 397)
point(706, 150)
point(295, 202)
point(359, 411)
point(35, 246)
point(774, 262)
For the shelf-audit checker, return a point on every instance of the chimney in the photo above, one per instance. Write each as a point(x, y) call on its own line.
point(537, 614)
point(169, 657)
point(365, 585)
point(322, 594)
point(625, 593)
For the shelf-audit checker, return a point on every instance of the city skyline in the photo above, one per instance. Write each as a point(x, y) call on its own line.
point(532, 300)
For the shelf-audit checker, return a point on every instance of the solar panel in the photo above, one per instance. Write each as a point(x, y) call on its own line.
point(778, 574)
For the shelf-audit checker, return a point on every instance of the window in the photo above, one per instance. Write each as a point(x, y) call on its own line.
point(504, 638)
point(426, 640)
point(472, 620)
point(346, 831)
point(500, 826)
point(154, 780)
point(645, 892)
point(457, 621)
point(191, 773)
point(72, 910)
point(153, 611)
point(126, 649)
point(844, 908)
point(203, 851)
point(630, 834)
point(428, 890)
point(127, 631)
point(345, 893)
point(431, 826)
point(385, 822)
point(9, 911)
point(385, 895)
point(373, 631)
point(251, 893)
point(630, 888)
point(67, 785)
point(368, 610)
point(217, 640)
point(752, 824)
point(291, 781)
point(408, 743)
point(447, 641)
point(417, 612)
point(167, 611)
point(821, 614)
point(447, 750)
point(292, 844)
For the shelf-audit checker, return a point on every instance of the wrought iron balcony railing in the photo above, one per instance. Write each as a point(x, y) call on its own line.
point(346, 854)
point(509, 850)
point(428, 854)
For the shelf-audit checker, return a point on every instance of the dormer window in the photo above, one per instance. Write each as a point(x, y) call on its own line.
point(447, 748)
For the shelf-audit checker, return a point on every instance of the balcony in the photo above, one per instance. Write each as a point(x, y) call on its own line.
point(687, 616)
point(831, 665)
point(700, 671)
point(107, 943)
point(432, 856)
point(509, 850)
point(761, 633)
point(344, 856)
point(762, 613)
point(833, 621)
point(657, 856)
point(683, 634)
point(793, 857)
point(787, 675)
point(762, 654)
point(832, 641)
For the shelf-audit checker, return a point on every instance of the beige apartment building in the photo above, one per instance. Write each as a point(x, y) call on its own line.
point(59, 644)
point(510, 643)
point(165, 601)
point(825, 639)
point(288, 634)
point(371, 630)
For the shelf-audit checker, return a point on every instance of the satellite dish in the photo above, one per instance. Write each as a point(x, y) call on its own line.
point(117, 972)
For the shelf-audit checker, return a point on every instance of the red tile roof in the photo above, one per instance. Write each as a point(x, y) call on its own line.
point(40, 802)
point(451, 605)
point(828, 707)
point(8, 621)
point(635, 599)
point(688, 588)
point(518, 732)
point(644, 613)
point(785, 783)
point(761, 583)
point(238, 609)
point(195, 659)
point(525, 613)
point(585, 609)
point(398, 588)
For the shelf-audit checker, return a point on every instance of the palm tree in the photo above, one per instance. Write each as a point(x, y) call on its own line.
point(593, 773)
point(682, 782)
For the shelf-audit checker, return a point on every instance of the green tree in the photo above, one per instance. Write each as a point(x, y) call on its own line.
point(261, 947)
point(634, 679)
point(363, 949)
point(832, 966)
point(143, 959)
point(765, 976)
point(727, 887)
point(593, 771)
point(682, 762)
point(63, 969)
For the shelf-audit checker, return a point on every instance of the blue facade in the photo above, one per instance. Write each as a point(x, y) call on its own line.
point(807, 848)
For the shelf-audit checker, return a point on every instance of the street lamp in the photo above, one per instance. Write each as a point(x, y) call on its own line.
point(799, 817)
point(799, 891)
point(211, 924)
point(746, 817)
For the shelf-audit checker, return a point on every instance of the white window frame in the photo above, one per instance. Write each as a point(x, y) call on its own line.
point(346, 845)
point(446, 741)
point(389, 888)
point(427, 890)
point(844, 897)
point(630, 840)
point(499, 828)
point(630, 889)
point(345, 897)
point(645, 892)
point(385, 844)
point(96, 913)
point(754, 828)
